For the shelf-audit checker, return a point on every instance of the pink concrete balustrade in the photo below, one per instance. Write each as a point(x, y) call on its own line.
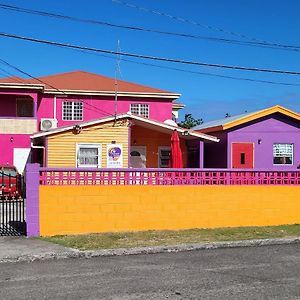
point(85, 176)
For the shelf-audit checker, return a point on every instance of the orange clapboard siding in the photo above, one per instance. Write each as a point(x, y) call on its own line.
point(141, 136)
point(86, 209)
point(62, 146)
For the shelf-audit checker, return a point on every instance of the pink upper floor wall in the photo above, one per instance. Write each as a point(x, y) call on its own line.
point(94, 107)
point(98, 107)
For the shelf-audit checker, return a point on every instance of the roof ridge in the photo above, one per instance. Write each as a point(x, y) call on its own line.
point(226, 123)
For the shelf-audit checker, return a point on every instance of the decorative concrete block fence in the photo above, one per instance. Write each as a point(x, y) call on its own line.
point(76, 201)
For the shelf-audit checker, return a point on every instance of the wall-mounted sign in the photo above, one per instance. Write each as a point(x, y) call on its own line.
point(114, 156)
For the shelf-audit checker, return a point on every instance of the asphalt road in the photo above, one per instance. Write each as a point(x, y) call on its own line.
point(269, 272)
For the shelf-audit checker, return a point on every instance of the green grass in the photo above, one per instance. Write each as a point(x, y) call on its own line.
point(166, 237)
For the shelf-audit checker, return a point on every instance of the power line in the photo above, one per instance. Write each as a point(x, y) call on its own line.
point(255, 43)
point(156, 58)
point(184, 20)
point(27, 74)
point(43, 82)
point(6, 73)
point(192, 72)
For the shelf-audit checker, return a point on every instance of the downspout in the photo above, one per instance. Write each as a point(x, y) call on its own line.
point(54, 108)
point(40, 147)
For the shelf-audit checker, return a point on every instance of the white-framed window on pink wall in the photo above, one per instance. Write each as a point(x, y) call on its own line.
point(140, 109)
point(72, 111)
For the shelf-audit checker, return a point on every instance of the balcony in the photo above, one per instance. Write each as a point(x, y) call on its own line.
point(17, 114)
point(10, 125)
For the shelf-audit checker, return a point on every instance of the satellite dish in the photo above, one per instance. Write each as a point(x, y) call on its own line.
point(171, 122)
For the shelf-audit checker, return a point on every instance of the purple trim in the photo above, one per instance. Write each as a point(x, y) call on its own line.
point(201, 154)
point(129, 143)
point(34, 107)
point(32, 200)
point(45, 162)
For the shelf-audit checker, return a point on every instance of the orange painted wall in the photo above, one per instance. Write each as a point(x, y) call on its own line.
point(141, 136)
point(86, 209)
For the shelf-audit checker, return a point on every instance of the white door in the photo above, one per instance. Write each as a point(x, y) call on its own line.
point(138, 157)
point(21, 157)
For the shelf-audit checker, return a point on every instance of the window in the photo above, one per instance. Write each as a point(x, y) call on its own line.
point(89, 155)
point(164, 157)
point(140, 109)
point(24, 107)
point(72, 111)
point(243, 158)
point(283, 154)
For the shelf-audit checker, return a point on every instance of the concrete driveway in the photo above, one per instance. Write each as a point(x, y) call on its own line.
point(268, 272)
point(14, 247)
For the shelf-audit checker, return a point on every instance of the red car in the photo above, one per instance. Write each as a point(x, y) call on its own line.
point(10, 183)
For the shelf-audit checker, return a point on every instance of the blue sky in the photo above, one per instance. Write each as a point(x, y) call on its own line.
point(205, 96)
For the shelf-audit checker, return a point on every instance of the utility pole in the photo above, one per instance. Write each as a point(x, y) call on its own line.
point(117, 74)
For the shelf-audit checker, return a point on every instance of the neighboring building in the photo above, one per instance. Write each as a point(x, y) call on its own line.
point(31, 105)
point(117, 141)
point(268, 139)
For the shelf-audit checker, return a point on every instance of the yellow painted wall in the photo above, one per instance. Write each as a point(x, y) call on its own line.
point(62, 146)
point(85, 209)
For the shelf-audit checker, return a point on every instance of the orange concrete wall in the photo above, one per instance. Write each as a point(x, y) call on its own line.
point(141, 136)
point(86, 209)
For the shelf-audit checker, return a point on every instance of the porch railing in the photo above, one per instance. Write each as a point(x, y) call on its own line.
point(84, 176)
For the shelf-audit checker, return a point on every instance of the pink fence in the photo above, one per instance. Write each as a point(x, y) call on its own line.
point(52, 176)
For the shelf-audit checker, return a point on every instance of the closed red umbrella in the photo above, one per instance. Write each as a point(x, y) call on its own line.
point(176, 154)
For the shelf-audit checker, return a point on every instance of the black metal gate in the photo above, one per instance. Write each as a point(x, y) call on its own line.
point(12, 203)
point(12, 216)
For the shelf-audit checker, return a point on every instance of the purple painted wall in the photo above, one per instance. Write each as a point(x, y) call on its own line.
point(270, 130)
point(32, 200)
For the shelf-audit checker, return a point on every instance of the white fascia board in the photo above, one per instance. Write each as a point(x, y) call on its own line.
point(112, 93)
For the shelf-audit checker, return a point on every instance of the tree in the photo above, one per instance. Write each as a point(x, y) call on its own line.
point(190, 122)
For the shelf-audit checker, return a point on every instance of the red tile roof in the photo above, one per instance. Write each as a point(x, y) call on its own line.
point(85, 81)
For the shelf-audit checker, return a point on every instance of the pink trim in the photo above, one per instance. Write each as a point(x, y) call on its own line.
point(70, 176)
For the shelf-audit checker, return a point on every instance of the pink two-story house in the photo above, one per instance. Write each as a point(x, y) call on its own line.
point(32, 105)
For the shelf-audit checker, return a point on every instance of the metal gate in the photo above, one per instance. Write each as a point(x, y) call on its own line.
point(12, 203)
point(12, 216)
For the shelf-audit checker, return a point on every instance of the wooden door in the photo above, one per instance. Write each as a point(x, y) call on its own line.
point(242, 155)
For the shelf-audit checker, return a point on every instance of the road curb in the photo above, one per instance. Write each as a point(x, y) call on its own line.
point(73, 253)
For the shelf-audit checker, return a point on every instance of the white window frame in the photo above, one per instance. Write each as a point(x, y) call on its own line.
point(139, 109)
point(93, 146)
point(72, 112)
point(159, 155)
point(291, 144)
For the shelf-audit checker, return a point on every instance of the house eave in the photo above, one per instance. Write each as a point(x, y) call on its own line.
point(112, 93)
point(22, 86)
point(183, 131)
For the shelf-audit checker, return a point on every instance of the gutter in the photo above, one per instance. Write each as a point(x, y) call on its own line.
point(39, 147)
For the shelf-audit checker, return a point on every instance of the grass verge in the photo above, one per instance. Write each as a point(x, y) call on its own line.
point(167, 237)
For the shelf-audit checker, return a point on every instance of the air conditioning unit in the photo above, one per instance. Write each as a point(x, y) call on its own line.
point(47, 124)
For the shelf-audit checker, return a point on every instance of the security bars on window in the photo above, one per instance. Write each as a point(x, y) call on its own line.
point(140, 110)
point(72, 111)
point(283, 154)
